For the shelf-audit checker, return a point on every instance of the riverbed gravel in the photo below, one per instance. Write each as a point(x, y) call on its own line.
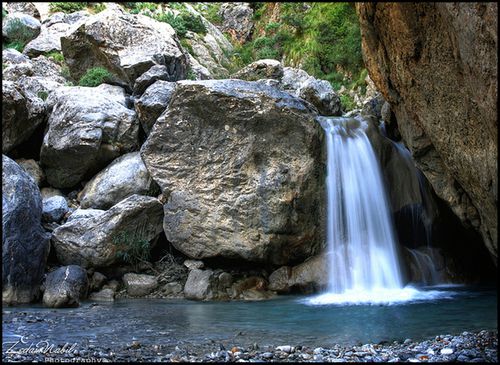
point(466, 347)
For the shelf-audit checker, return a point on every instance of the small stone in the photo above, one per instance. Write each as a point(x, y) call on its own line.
point(317, 350)
point(267, 355)
point(194, 264)
point(286, 349)
point(446, 351)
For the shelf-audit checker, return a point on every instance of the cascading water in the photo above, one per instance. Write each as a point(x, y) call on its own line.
point(363, 262)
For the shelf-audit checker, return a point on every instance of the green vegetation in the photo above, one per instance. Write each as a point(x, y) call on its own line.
point(211, 12)
point(347, 102)
point(19, 35)
point(183, 23)
point(43, 95)
point(95, 77)
point(4, 13)
point(98, 8)
point(55, 56)
point(132, 247)
point(65, 72)
point(68, 7)
point(190, 75)
point(136, 8)
point(322, 38)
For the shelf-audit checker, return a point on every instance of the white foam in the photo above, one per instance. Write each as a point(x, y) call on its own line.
point(385, 296)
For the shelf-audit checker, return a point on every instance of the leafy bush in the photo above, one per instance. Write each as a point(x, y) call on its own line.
point(18, 46)
point(175, 21)
point(95, 77)
point(65, 72)
point(212, 13)
point(43, 95)
point(68, 7)
point(347, 102)
point(56, 56)
point(132, 247)
point(183, 23)
point(98, 8)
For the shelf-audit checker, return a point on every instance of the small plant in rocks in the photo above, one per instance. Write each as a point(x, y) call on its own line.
point(95, 77)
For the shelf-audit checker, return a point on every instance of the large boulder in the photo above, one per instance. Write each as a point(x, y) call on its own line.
point(153, 102)
point(53, 28)
point(199, 284)
point(22, 7)
point(261, 69)
point(20, 27)
point(98, 240)
point(22, 113)
point(237, 20)
point(88, 128)
point(242, 165)
point(125, 176)
point(25, 246)
point(65, 287)
point(307, 277)
point(436, 64)
point(318, 92)
point(125, 44)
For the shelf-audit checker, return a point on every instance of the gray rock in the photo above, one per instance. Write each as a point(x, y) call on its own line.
point(22, 7)
point(13, 23)
point(194, 264)
point(49, 192)
point(22, 113)
point(104, 295)
point(65, 287)
point(94, 241)
point(54, 208)
point(112, 284)
point(87, 129)
point(261, 69)
point(172, 288)
point(139, 285)
point(321, 94)
point(125, 176)
point(97, 281)
point(13, 56)
point(148, 78)
point(278, 280)
point(225, 280)
point(53, 28)
point(373, 106)
point(255, 186)
point(125, 44)
point(85, 213)
point(25, 246)
point(33, 169)
point(198, 284)
point(237, 20)
point(153, 103)
point(311, 275)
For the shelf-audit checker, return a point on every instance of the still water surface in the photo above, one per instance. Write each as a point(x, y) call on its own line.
point(288, 320)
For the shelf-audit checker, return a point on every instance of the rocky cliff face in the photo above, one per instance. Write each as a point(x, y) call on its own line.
point(436, 65)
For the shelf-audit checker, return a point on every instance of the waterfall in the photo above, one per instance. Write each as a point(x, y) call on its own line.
point(362, 258)
point(361, 244)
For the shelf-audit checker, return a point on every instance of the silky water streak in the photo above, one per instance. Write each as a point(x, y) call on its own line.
point(362, 258)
